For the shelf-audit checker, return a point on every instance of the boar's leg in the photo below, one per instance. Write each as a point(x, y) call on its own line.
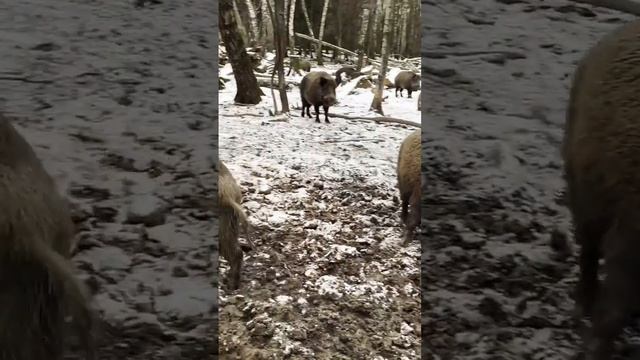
point(236, 267)
point(397, 91)
point(414, 218)
point(305, 105)
point(326, 111)
point(589, 236)
point(404, 198)
point(409, 91)
point(317, 109)
point(618, 295)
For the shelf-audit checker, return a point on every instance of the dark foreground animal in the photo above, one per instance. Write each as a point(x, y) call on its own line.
point(601, 152)
point(407, 80)
point(38, 288)
point(232, 217)
point(410, 183)
point(348, 71)
point(317, 88)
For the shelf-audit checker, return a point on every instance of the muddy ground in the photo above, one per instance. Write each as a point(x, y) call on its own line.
point(118, 101)
point(330, 277)
point(499, 262)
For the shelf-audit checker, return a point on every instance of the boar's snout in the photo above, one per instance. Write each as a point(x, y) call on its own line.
point(329, 100)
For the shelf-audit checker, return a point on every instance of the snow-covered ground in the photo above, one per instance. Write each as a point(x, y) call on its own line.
point(118, 102)
point(498, 275)
point(330, 278)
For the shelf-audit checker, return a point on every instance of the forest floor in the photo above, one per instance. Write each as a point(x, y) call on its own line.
point(119, 103)
point(499, 263)
point(330, 277)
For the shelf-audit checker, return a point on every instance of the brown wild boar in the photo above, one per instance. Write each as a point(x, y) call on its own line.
point(601, 151)
point(38, 288)
point(298, 64)
point(407, 80)
point(231, 218)
point(317, 88)
point(410, 183)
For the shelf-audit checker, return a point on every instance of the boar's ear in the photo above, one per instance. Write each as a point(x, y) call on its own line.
point(323, 81)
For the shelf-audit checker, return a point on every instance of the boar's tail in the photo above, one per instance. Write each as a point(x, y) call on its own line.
point(37, 290)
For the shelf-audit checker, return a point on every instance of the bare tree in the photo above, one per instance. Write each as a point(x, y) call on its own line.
point(376, 104)
point(366, 6)
point(280, 43)
point(303, 5)
point(248, 90)
point(267, 23)
point(253, 22)
point(241, 28)
point(292, 38)
point(322, 23)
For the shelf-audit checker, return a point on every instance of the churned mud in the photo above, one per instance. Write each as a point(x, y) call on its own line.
point(499, 263)
point(118, 101)
point(329, 278)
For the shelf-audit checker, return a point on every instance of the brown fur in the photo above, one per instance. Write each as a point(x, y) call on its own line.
point(298, 64)
point(232, 217)
point(601, 151)
point(407, 80)
point(37, 285)
point(410, 182)
point(318, 88)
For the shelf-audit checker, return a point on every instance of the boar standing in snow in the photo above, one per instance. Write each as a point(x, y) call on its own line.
point(410, 183)
point(297, 64)
point(317, 88)
point(407, 80)
point(231, 218)
point(38, 288)
point(601, 153)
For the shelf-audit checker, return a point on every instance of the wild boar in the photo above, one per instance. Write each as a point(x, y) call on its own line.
point(347, 71)
point(298, 64)
point(407, 80)
point(410, 183)
point(37, 283)
point(231, 218)
point(317, 88)
point(602, 170)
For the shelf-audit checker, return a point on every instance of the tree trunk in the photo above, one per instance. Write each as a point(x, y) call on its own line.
point(376, 104)
point(267, 23)
point(280, 44)
point(248, 91)
point(363, 35)
point(303, 5)
point(253, 23)
point(241, 29)
point(322, 23)
point(292, 38)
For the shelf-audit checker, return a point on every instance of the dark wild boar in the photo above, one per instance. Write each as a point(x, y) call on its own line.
point(38, 288)
point(601, 152)
point(347, 71)
point(317, 88)
point(407, 80)
point(231, 218)
point(410, 183)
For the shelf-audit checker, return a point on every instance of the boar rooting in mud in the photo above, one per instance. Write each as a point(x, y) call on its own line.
point(410, 183)
point(317, 88)
point(38, 287)
point(601, 152)
point(231, 219)
point(407, 80)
